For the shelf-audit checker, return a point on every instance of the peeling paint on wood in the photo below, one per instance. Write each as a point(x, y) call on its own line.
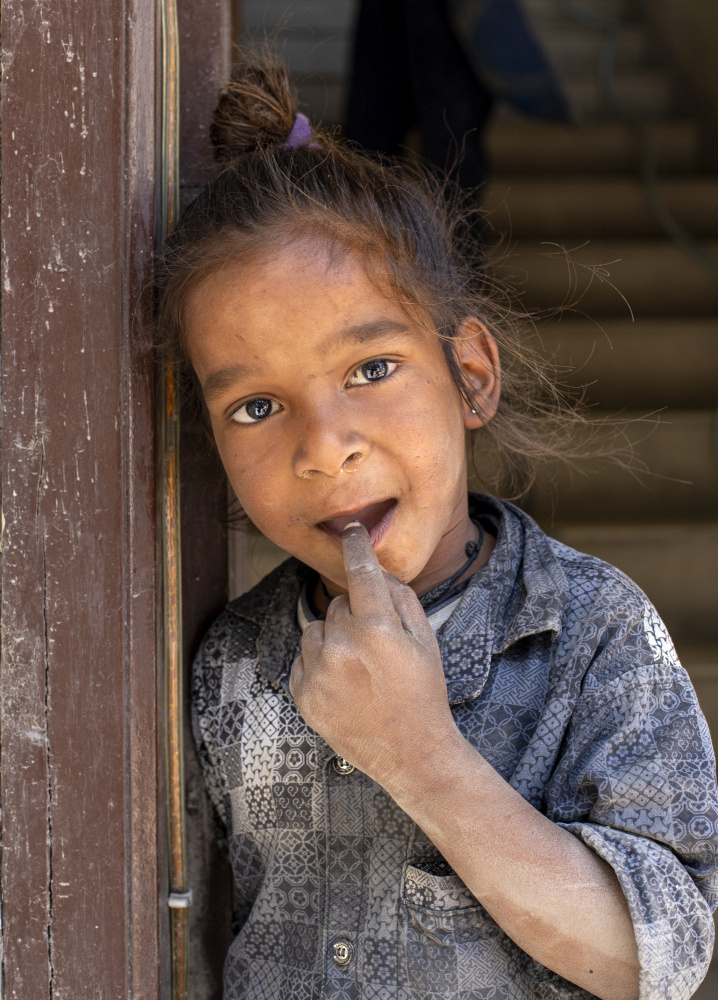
point(79, 758)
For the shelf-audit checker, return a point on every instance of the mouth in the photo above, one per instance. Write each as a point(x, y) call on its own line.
point(375, 517)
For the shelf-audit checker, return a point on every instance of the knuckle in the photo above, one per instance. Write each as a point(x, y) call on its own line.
point(336, 649)
point(339, 605)
point(364, 570)
point(313, 635)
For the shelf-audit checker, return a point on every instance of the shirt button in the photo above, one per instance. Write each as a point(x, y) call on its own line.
point(342, 952)
point(342, 766)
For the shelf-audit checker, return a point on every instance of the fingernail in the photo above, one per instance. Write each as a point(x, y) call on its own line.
point(352, 524)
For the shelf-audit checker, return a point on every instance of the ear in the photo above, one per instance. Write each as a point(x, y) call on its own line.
point(478, 355)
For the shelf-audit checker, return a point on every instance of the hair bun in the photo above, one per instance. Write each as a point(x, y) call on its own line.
point(256, 108)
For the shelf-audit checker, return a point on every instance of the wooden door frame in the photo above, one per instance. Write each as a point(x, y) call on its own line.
point(83, 863)
point(205, 34)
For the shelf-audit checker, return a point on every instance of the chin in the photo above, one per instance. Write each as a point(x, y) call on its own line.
point(398, 565)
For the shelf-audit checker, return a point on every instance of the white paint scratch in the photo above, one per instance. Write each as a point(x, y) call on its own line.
point(87, 416)
point(6, 285)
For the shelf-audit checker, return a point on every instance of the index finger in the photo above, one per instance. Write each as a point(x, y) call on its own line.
point(368, 592)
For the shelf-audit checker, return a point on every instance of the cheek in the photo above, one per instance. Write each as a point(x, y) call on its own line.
point(254, 472)
point(429, 425)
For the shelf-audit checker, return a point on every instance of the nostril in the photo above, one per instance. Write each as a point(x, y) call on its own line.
point(352, 463)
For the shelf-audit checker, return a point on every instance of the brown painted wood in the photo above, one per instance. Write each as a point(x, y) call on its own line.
point(205, 30)
point(205, 45)
point(79, 759)
point(146, 867)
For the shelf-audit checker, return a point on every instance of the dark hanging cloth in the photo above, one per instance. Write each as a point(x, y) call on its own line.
point(438, 66)
point(504, 52)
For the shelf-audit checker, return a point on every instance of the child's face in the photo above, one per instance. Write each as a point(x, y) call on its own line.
point(329, 404)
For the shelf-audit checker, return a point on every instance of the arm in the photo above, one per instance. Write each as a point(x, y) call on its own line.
point(550, 893)
point(370, 681)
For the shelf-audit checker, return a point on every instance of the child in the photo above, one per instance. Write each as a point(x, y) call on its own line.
point(451, 757)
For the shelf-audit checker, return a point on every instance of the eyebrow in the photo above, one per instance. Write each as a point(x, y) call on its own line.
point(362, 333)
point(219, 381)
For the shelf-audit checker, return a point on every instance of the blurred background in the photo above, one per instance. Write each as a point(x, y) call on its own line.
point(592, 127)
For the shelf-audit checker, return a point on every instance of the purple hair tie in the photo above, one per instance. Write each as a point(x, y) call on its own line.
point(301, 131)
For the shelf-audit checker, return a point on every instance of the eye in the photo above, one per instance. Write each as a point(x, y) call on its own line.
point(372, 371)
point(255, 410)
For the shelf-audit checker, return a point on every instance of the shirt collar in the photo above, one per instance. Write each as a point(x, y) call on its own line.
point(521, 591)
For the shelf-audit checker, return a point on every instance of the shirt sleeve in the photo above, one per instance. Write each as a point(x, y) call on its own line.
point(636, 782)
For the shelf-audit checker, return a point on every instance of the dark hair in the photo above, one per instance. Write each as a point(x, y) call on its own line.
point(398, 219)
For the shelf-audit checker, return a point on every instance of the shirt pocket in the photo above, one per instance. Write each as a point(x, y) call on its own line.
point(440, 921)
point(433, 886)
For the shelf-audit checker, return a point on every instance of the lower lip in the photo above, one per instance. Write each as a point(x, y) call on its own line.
point(377, 532)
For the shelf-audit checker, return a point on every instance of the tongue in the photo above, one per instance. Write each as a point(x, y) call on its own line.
point(368, 516)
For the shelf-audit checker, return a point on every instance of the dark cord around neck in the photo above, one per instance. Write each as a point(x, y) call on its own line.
point(472, 550)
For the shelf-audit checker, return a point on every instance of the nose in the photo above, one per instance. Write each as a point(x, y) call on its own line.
point(328, 446)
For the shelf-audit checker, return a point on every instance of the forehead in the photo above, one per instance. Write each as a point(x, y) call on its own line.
point(284, 300)
point(276, 280)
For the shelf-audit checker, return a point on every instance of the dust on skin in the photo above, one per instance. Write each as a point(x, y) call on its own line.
point(292, 328)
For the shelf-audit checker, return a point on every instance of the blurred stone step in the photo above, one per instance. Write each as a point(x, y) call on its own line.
point(701, 662)
point(708, 990)
point(644, 365)
point(597, 147)
point(597, 207)
point(611, 277)
point(670, 471)
point(675, 564)
point(573, 48)
point(644, 94)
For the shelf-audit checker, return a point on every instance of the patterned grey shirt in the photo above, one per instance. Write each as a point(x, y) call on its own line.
point(560, 672)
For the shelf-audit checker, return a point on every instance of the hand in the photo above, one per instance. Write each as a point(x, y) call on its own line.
point(369, 679)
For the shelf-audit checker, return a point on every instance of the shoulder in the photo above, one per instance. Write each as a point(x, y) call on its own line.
point(594, 583)
point(230, 644)
point(579, 586)
point(615, 626)
point(599, 591)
